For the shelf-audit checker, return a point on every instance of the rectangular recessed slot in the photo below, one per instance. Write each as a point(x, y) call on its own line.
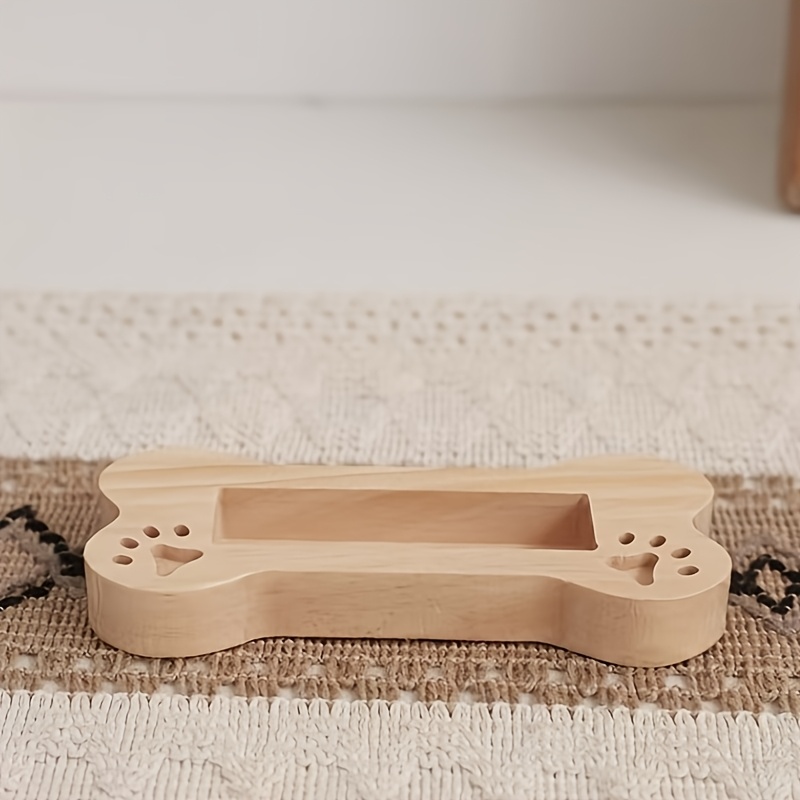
point(546, 521)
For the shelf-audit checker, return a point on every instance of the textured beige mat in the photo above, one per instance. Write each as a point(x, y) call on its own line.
point(44, 638)
point(432, 382)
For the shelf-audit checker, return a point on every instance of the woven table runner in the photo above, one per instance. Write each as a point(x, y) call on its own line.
point(50, 508)
point(421, 381)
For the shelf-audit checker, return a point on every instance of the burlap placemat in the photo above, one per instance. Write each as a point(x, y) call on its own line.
point(48, 509)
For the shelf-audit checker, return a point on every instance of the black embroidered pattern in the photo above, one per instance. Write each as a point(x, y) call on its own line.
point(747, 583)
point(70, 563)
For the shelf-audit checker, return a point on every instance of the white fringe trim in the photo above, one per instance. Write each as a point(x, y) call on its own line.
point(136, 746)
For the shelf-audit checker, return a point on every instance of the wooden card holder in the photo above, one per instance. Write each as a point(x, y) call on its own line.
point(603, 556)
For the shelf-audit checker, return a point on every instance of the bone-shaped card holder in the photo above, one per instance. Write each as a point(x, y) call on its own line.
point(603, 556)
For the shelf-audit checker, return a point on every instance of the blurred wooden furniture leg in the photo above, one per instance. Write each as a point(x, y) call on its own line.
point(790, 161)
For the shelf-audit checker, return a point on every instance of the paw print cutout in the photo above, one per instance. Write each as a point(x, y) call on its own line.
point(166, 557)
point(641, 566)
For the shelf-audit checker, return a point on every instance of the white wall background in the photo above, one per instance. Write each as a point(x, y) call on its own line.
point(392, 48)
point(140, 147)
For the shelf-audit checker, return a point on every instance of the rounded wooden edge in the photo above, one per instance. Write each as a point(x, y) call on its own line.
point(656, 633)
